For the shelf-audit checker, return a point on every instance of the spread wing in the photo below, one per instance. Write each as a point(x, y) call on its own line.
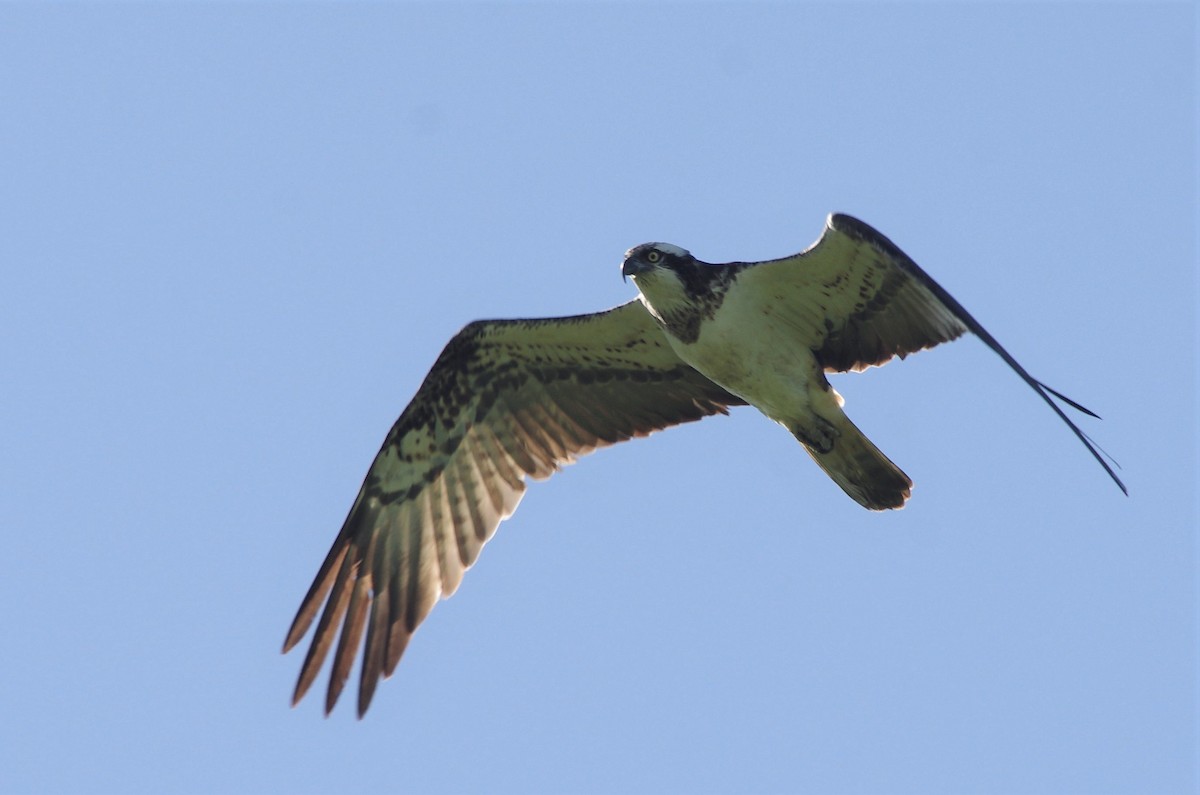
point(505, 400)
point(858, 300)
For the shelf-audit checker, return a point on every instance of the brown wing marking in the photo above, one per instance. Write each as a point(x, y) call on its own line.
point(859, 300)
point(506, 400)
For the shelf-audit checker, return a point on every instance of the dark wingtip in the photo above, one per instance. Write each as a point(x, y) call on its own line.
point(1069, 402)
point(1098, 452)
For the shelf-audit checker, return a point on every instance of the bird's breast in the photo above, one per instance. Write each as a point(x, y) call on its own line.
point(755, 355)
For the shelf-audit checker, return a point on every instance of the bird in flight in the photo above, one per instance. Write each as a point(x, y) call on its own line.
point(513, 399)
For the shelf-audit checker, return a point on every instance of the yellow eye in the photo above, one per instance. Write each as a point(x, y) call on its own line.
point(653, 257)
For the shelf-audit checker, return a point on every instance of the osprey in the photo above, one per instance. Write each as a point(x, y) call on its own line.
point(513, 399)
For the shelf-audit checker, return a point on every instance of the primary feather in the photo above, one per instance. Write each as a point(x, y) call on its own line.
point(506, 400)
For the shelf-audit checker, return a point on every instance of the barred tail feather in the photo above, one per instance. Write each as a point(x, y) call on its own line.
point(866, 474)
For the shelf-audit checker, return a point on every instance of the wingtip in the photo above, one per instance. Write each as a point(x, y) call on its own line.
point(302, 685)
point(299, 627)
point(331, 698)
point(1077, 406)
point(1120, 483)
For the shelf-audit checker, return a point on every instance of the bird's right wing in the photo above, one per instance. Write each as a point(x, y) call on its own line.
point(857, 301)
point(506, 400)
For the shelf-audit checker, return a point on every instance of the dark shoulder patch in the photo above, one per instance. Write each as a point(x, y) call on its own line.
point(706, 286)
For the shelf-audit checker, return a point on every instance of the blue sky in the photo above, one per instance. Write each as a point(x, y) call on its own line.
point(235, 236)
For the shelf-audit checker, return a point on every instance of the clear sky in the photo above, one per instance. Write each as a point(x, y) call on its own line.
point(234, 237)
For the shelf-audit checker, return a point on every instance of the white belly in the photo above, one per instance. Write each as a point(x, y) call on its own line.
point(756, 355)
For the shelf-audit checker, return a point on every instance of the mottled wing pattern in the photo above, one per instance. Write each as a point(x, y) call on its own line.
point(857, 300)
point(505, 400)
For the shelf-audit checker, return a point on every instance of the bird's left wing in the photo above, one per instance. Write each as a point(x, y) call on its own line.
point(857, 300)
point(505, 400)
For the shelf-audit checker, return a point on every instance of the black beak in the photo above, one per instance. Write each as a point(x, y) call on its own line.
point(631, 267)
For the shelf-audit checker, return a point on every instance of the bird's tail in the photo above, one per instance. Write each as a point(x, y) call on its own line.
point(856, 465)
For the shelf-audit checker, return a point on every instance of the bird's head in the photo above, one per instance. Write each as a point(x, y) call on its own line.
point(648, 259)
point(662, 273)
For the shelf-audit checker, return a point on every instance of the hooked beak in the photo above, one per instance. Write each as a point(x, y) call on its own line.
point(632, 266)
